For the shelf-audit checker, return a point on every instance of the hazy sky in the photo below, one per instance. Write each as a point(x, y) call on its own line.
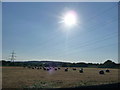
point(33, 31)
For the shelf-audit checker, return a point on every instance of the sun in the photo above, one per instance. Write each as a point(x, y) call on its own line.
point(70, 18)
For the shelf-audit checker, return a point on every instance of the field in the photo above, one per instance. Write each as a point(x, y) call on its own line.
point(19, 77)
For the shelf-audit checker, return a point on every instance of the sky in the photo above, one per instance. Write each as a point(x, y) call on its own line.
point(33, 30)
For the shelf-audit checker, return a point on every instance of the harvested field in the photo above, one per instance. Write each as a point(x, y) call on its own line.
point(19, 77)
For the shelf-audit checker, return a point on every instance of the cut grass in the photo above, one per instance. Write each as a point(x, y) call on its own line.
point(19, 77)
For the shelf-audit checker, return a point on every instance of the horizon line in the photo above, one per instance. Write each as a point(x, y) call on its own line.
point(58, 61)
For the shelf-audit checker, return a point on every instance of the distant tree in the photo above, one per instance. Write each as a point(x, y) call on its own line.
point(64, 65)
point(46, 65)
point(93, 65)
point(3, 62)
point(109, 64)
point(81, 64)
point(73, 65)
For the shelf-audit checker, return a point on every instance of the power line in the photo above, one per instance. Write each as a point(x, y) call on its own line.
point(106, 35)
point(54, 36)
point(96, 28)
point(89, 44)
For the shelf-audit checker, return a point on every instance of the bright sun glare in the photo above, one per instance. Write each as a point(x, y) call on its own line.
point(70, 18)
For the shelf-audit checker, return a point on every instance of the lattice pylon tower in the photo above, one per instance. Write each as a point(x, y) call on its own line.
point(12, 58)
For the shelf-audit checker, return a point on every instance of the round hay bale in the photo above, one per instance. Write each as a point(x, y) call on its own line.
point(101, 72)
point(107, 70)
point(44, 68)
point(33, 68)
point(66, 69)
point(81, 71)
point(55, 69)
point(48, 69)
point(74, 68)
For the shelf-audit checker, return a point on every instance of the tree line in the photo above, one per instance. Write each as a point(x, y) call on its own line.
point(106, 64)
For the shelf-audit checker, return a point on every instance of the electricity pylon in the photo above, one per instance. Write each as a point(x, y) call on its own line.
point(12, 58)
